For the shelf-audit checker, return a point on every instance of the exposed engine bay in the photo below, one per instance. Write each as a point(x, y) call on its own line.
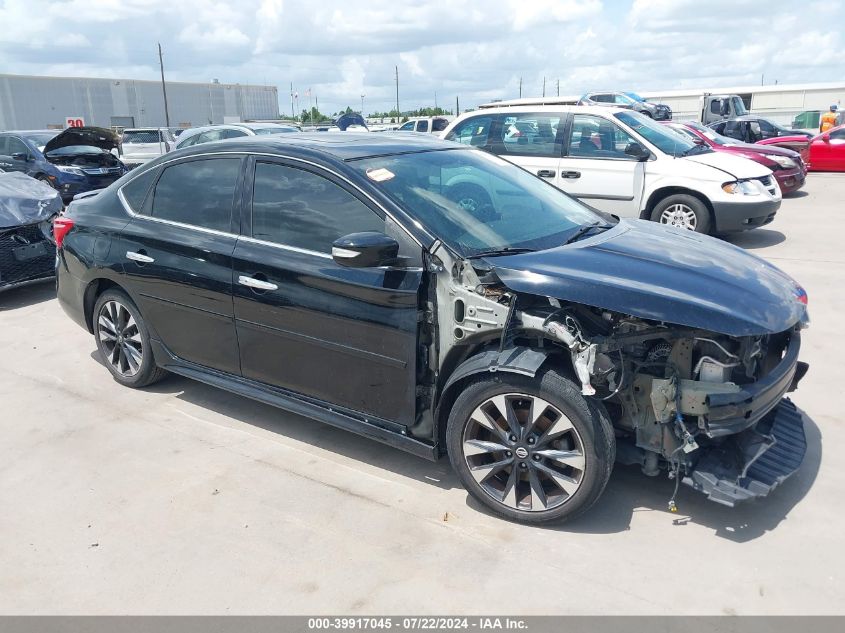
point(85, 158)
point(701, 406)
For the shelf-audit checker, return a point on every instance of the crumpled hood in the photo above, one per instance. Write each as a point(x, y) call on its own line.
point(25, 200)
point(655, 272)
point(736, 166)
point(93, 136)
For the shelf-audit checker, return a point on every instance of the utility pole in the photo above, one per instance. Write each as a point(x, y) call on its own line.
point(520, 87)
point(435, 102)
point(398, 113)
point(292, 113)
point(544, 87)
point(558, 87)
point(362, 104)
point(457, 106)
point(163, 88)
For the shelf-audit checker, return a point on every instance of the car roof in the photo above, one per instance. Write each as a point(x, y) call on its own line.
point(341, 146)
point(544, 105)
point(21, 132)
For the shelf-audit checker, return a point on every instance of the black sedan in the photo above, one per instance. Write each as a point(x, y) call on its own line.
point(752, 128)
point(531, 339)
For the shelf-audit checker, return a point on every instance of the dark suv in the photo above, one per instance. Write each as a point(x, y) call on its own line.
point(530, 338)
point(629, 100)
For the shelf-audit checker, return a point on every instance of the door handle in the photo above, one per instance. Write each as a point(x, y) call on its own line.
point(258, 284)
point(139, 257)
point(546, 173)
point(570, 174)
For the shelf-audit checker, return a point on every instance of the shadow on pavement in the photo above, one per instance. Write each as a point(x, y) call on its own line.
point(758, 238)
point(796, 194)
point(295, 427)
point(23, 296)
point(627, 492)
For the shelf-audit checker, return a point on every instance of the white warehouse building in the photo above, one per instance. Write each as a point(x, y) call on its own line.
point(31, 102)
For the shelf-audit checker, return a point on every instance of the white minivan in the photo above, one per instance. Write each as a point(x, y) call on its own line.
point(624, 163)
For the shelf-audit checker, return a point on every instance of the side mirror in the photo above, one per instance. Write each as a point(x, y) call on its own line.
point(21, 156)
point(365, 250)
point(826, 137)
point(637, 151)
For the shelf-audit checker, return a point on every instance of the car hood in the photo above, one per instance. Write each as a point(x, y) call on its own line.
point(750, 148)
point(664, 274)
point(25, 200)
point(90, 136)
point(735, 166)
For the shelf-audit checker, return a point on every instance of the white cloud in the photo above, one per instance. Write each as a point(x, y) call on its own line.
point(478, 50)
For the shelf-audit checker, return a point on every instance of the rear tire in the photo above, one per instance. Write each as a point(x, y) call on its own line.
point(123, 341)
point(682, 211)
point(547, 457)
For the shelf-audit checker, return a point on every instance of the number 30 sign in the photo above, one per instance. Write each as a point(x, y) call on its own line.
point(74, 121)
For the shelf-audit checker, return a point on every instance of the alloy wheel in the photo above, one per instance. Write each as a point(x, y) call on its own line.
point(524, 452)
point(679, 215)
point(468, 203)
point(120, 338)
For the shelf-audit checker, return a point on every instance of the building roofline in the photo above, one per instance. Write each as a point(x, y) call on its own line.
point(151, 81)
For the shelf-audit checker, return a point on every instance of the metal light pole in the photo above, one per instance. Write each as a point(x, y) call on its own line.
point(362, 104)
point(398, 114)
point(163, 88)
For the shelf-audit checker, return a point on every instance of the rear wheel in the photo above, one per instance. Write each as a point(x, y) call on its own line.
point(683, 211)
point(123, 341)
point(533, 450)
point(470, 198)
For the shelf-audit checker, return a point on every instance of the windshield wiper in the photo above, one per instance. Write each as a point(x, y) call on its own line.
point(586, 229)
point(507, 250)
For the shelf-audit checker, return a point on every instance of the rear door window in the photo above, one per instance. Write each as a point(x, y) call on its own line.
point(422, 126)
point(135, 191)
point(198, 193)
point(531, 134)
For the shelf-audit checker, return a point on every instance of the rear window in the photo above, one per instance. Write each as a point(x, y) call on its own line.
point(135, 191)
point(198, 192)
point(273, 130)
point(141, 136)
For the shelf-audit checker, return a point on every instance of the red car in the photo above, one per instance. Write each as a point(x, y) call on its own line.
point(827, 151)
point(786, 165)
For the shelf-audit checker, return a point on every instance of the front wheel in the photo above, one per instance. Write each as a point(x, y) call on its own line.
point(683, 211)
point(533, 450)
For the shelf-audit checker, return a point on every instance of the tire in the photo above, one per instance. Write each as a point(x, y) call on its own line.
point(568, 455)
point(124, 348)
point(684, 211)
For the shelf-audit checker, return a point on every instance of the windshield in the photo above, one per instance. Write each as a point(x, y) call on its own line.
point(712, 134)
point(41, 138)
point(664, 138)
point(635, 96)
point(739, 106)
point(476, 202)
point(274, 130)
point(131, 137)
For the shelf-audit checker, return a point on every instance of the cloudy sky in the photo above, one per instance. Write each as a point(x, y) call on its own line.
point(476, 50)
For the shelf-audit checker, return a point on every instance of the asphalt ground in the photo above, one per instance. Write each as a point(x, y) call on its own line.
point(182, 498)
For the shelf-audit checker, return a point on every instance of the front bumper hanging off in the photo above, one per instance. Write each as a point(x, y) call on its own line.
point(751, 464)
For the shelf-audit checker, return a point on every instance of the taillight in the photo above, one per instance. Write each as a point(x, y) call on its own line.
point(802, 296)
point(61, 226)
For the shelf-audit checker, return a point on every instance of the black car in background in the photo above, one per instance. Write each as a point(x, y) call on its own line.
point(73, 161)
point(629, 100)
point(532, 339)
point(752, 128)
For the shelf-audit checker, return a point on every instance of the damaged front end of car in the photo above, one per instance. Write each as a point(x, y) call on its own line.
point(27, 251)
point(703, 406)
